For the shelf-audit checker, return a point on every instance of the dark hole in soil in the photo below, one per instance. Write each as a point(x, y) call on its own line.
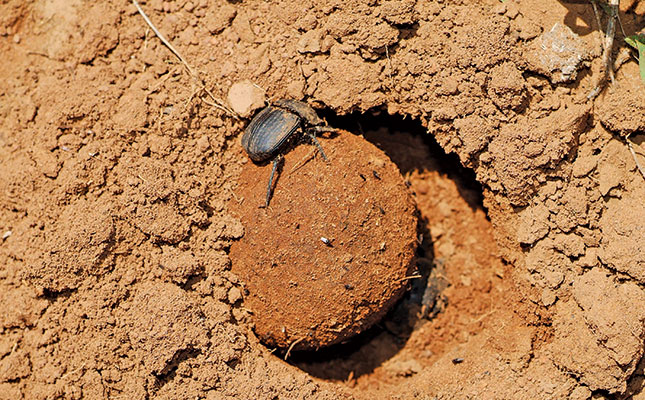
point(406, 142)
point(398, 137)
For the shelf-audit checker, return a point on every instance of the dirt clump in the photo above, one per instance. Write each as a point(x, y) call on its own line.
point(76, 247)
point(164, 323)
point(559, 54)
point(622, 109)
point(244, 98)
point(332, 252)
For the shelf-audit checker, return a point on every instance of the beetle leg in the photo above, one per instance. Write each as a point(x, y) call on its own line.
point(312, 134)
point(323, 129)
point(270, 187)
point(320, 149)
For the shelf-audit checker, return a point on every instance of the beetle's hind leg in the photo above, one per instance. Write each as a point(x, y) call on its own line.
point(276, 161)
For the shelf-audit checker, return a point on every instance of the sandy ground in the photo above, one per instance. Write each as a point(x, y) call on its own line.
point(117, 179)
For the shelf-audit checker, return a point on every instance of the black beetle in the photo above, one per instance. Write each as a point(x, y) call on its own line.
point(274, 128)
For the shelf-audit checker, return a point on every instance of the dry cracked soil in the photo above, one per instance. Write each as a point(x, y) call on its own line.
point(122, 192)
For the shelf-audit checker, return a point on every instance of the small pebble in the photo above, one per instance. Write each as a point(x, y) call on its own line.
point(234, 295)
point(6, 234)
point(245, 97)
point(548, 297)
point(499, 9)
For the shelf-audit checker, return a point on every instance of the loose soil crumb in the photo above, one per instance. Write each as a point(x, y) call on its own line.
point(622, 110)
point(303, 291)
point(245, 98)
point(116, 181)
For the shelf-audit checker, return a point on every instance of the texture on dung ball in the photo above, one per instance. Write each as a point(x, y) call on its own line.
point(302, 289)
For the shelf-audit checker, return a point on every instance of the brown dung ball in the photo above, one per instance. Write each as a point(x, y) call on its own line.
point(331, 253)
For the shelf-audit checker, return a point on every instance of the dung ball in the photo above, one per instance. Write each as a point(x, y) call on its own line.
point(331, 253)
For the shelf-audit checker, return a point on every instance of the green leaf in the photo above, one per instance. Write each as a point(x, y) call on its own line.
point(638, 42)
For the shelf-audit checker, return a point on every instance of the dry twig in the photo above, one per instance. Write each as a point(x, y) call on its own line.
point(410, 277)
point(631, 150)
point(597, 15)
point(607, 49)
point(216, 102)
point(295, 342)
point(304, 160)
point(609, 39)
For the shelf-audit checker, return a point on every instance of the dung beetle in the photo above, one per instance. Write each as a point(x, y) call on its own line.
point(278, 126)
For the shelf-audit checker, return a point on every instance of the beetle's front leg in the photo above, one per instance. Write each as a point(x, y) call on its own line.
point(312, 134)
point(323, 129)
point(276, 160)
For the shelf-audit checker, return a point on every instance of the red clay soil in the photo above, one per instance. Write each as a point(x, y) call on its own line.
point(117, 180)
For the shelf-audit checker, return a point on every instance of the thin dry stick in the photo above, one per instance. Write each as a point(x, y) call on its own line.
point(410, 277)
point(216, 102)
point(73, 371)
point(291, 347)
point(145, 39)
point(597, 15)
point(620, 23)
point(304, 161)
point(631, 150)
point(609, 43)
point(607, 49)
point(349, 377)
point(481, 318)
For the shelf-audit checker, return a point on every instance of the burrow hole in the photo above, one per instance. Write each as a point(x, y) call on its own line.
point(426, 167)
